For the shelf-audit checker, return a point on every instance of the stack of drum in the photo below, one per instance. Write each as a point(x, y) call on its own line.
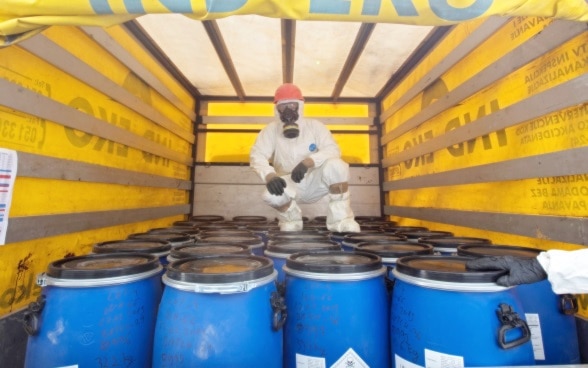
point(208, 292)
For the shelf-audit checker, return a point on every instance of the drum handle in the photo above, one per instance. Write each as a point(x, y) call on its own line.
point(280, 314)
point(509, 320)
point(388, 281)
point(568, 304)
point(30, 319)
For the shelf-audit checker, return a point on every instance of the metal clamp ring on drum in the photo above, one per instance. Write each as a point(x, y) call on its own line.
point(358, 276)
point(44, 280)
point(226, 288)
point(449, 285)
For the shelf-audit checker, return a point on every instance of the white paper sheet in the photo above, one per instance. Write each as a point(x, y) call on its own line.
point(8, 166)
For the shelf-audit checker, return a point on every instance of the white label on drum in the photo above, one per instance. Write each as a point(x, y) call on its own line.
point(403, 363)
point(350, 359)
point(536, 336)
point(435, 359)
point(69, 366)
point(305, 361)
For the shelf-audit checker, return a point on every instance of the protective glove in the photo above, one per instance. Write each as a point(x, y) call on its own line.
point(520, 270)
point(299, 172)
point(276, 185)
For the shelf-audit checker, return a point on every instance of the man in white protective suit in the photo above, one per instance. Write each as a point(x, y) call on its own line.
point(567, 271)
point(307, 165)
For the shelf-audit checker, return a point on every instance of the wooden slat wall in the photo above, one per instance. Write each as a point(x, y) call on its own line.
point(236, 191)
point(488, 135)
point(104, 138)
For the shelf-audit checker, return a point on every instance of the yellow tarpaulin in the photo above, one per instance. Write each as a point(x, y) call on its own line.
point(20, 19)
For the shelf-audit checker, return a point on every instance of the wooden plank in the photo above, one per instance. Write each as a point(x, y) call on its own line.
point(103, 39)
point(567, 94)
point(264, 120)
point(477, 37)
point(244, 175)
point(34, 227)
point(232, 200)
point(551, 37)
point(38, 166)
point(29, 102)
point(568, 162)
point(54, 54)
point(565, 229)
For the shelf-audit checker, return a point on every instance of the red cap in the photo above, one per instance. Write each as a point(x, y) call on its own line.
point(288, 91)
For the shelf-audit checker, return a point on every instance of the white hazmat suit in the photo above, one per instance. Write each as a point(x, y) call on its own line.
point(326, 173)
point(567, 271)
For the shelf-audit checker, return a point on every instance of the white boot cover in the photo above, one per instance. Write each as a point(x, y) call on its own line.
point(291, 220)
point(340, 217)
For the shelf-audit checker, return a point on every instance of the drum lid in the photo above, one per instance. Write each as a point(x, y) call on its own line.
point(220, 269)
point(190, 224)
point(226, 232)
point(455, 241)
point(395, 249)
point(444, 268)
point(300, 246)
point(218, 226)
point(341, 235)
point(379, 225)
point(253, 227)
point(182, 230)
point(132, 245)
point(306, 232)
point(209, 249)
point(98, 266)
point(230, 239)
point(424, 234)
point(374, 237)
point(207, 218)
point(172, 238)
point(250, 219)
point(400, 229)
point(334, 262)
point(302, 237)
point(319, 228)
point(382, 223)
point(482, 250)
point(361, 219)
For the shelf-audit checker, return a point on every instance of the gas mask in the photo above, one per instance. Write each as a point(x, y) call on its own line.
point(288, 112)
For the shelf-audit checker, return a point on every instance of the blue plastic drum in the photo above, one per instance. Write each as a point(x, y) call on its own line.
point(550, 316)
point(225, 232)
point(263, 230)
point(395, 229)
point(447, 245)
point(207, 218)
point(442, 312)
point(391, 251)
point(159, 248)
point(183, 230)
point(94, 311)
point(187, 251)
point(420, 235)
point(220, 311)
point(350, 241)
point(339, 236)
point(254, 242)
point(302, 235)
point(280, 251)
point(337, 310)
point(175, 239)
